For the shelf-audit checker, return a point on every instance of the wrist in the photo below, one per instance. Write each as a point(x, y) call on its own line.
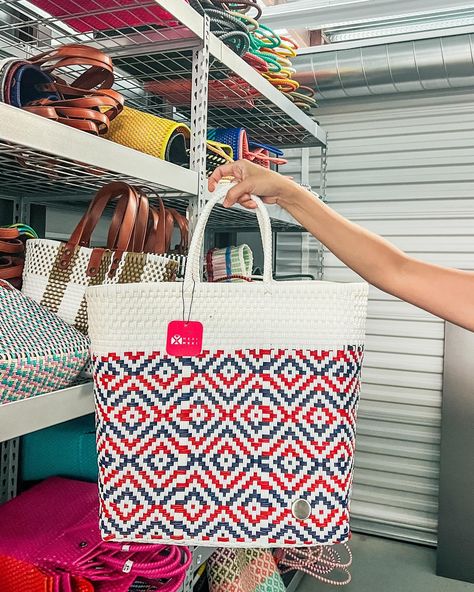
point(293, 195)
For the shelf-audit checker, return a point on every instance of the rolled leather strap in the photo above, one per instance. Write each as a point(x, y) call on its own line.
point(12, 246)
point(87, 99)
point(8, 233)
point(87, 103)
point(11, 268)
point(83, 119)
point(98, 76)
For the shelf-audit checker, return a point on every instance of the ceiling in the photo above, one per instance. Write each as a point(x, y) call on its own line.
point(346, 20)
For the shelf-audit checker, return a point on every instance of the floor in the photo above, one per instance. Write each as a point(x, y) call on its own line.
point(381, 565)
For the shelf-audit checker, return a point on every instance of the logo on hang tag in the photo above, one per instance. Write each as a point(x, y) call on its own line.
point(184, 338)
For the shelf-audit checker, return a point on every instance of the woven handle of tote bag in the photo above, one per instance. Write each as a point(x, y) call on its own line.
point(193, 273)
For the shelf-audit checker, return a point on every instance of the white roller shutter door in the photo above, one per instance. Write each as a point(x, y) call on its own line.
point(404, 168)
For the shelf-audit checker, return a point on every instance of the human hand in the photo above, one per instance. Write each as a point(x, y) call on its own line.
point(252, 179)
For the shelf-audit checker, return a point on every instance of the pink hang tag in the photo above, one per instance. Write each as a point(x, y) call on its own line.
point(184, 338)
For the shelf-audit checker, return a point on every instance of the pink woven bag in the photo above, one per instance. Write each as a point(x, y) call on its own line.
point(89, 15)
point(55, 527)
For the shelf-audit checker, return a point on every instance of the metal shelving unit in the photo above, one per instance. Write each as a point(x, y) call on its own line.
point(147, 54)
point(44, 162)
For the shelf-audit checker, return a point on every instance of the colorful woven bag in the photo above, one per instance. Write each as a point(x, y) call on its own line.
point(57, 274)
point(247, 149)
point(89, 15)
point(248, 414)
point(69, 547)
point(229, 264)
point(243, 570)
point(67, 449)
point(39, 352)
point(157, 136)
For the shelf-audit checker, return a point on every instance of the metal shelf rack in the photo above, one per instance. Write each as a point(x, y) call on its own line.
point(148, 54)
point(46, 162)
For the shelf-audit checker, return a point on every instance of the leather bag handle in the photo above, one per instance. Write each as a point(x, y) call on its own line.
point(83, 231)
point(183, 225)
point(156, 229)
point(99, 75)
point(118, 226)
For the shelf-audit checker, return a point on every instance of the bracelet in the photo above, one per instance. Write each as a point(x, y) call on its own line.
point(256, 62)
point(245, 17)
point(242, 6)
point(286, 85)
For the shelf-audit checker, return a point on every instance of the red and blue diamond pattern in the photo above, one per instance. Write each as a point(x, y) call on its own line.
point(217, 448)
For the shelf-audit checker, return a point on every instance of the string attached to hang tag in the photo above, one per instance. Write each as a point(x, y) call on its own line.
point(185, 337)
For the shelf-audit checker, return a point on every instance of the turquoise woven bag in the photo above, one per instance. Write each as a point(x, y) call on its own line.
point(66, 450)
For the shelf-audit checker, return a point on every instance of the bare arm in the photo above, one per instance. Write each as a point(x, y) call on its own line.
point(447, 293)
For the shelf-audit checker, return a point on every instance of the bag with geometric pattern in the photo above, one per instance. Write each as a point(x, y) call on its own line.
point(57, 274)
point(39, 352)
point(226, 411)
point(243, 570)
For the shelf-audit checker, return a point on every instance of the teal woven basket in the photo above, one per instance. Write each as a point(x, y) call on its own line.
point(66, 450)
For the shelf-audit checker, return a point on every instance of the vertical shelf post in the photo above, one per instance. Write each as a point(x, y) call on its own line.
point(199, 101)
point(322, 193)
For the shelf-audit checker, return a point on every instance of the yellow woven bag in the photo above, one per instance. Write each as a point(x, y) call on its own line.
point(157, 136)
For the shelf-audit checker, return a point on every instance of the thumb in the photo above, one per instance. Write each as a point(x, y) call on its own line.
point(237, 192)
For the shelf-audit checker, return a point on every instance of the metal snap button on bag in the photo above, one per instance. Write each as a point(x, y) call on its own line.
point(301, 509)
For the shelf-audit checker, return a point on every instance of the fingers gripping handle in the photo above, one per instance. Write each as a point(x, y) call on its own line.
point(193, 268)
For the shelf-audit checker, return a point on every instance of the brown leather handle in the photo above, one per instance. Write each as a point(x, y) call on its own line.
point(140, 230)
point(9, 233)
point(10, 242)
point(156, 231)
point(99, 75)
point(10, 268)
point(83, 231)
point(88, 99)
point(12, 246)
point(183, 225)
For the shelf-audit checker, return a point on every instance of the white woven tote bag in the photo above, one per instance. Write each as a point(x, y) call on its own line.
point(249, 442)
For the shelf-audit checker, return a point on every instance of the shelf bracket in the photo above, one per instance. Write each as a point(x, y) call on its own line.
point(199, 101)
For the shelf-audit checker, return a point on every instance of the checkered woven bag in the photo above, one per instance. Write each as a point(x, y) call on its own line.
point(39, 352)
point(249, 439)
point(243, 570)
point(57, 274)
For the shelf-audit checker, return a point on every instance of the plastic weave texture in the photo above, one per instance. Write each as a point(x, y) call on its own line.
point(229, 263)
point(63, 290)
point(243, 570)
point(39, 352)
point(69, 547)
point(85, 16)
point(233, 136)
point(226, 448)
point(145, 132)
